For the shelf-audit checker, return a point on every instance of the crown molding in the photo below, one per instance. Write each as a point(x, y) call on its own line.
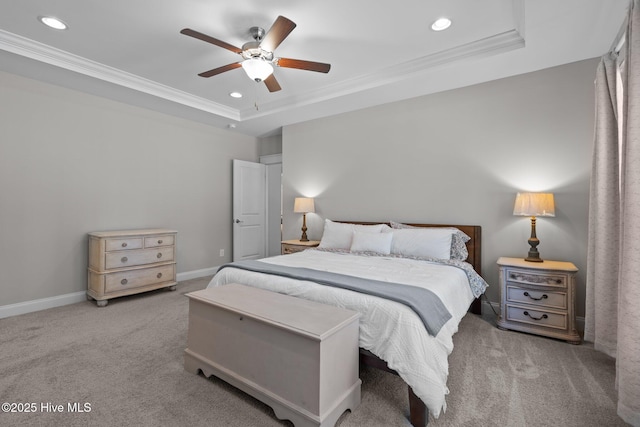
point(492, 45)
point(489, 46)
point(23, 46)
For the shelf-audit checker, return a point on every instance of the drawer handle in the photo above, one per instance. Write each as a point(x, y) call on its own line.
point(124, 281)
point(159, 275)
point(159, 255)
point(544, 316)
point(124, 259)
point(558, 281)
point(241, 318)
point(159, 242)
point(544, 296)
point(124, 245)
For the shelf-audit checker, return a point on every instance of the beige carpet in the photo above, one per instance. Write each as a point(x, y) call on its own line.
point(125, 362)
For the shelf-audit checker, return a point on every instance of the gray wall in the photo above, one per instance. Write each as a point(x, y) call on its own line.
point(457, 157)
point(71, 163)
point(271, 145)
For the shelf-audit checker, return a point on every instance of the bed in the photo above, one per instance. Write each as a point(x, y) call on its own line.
point(393, 335)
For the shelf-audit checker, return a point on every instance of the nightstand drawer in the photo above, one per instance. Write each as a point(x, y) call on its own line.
point(123, 244)
point(293, 246)
point(288, 249)
point(530, 277)
point(533, 316)
point(138, 257)
point(551, 299)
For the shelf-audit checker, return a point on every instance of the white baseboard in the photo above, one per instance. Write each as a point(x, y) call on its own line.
point(41, 304)
point(194, 274)
point(486, 308)
point(74, 297)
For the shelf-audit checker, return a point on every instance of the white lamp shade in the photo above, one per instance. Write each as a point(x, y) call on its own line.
point(257, 69)
point(534, 204)
point(303, 205)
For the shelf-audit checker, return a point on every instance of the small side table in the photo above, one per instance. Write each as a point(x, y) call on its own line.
point(292, 246)
point(538, 297)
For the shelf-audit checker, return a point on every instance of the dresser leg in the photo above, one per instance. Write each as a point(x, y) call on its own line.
point(102, 302)
point(172, 288)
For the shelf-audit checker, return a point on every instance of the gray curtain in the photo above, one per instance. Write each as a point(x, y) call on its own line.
point(612, 320)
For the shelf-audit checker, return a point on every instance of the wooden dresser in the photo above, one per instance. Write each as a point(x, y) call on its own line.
point(292, 246)
point(297, 356)
point(129, 262)
point(538, 297)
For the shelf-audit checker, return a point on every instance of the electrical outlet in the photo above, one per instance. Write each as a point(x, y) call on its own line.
point(221, 252)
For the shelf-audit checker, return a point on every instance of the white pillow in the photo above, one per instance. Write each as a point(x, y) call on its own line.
point(337, 235)
point(422, 242)
point(458, 240)
point(371, 242)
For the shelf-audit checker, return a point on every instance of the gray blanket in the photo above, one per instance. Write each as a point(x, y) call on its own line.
point(423, 302)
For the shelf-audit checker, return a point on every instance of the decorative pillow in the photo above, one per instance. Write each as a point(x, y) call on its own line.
point(422, 242)
point(459, 245)
point(371, 242)
point(337, 235)
point(458, 240)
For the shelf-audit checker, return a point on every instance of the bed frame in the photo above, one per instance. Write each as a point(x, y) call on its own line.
point(418, 412)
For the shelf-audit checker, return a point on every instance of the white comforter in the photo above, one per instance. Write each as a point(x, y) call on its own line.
point(390, 330)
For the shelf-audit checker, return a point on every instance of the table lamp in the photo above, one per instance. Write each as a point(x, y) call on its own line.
point(303, 205)
point(533, 205)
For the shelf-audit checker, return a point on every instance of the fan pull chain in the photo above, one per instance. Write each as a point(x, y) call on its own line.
point(255, 91)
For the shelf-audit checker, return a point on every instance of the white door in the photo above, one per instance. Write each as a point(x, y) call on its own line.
point(249, 205)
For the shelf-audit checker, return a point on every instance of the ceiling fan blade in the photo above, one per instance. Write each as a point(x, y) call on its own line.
point(272, 83)
point(220, 70)
point(209, 39)
point(303, 65)
point(277, 33)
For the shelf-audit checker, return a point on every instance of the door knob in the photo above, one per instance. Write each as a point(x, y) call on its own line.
point(238, 221)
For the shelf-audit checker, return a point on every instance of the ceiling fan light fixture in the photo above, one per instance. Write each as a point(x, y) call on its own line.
point(441, 24)
point(257, 68)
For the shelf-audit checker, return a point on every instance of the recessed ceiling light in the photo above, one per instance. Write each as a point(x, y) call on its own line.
point(232, 125)
point(235, 95)
point(52, 22)
point(441, 24)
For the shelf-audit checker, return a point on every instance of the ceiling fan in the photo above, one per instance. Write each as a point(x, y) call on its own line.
point(258, 59)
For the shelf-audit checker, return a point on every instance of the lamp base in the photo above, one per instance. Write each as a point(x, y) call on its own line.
point(304, 237)
point(533, 255)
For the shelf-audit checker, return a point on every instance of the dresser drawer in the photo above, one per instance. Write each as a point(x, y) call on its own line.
point(534, 316)
point(123, 244)
point(114, 282)
point(542, 298)
point(138, 257)
point(530, 277)
point(155, 241)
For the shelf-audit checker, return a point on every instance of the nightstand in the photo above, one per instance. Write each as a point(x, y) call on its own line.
point(538, 297)
point(292, 246)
